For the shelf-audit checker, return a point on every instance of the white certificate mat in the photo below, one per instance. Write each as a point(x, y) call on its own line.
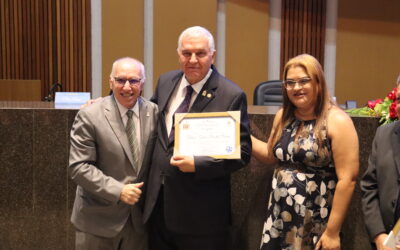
point(215, 134)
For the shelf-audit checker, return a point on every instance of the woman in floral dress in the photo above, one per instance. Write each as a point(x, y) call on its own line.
point(316, 147)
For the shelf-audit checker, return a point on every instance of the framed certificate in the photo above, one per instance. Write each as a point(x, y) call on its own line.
point(215, 134)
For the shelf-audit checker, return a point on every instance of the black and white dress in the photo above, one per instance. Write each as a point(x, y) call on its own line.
point(302, 189)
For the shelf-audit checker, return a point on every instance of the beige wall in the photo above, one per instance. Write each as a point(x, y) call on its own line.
point(122, 34)
point(247, 43)
point(170, 19)
point(246, 35)
point(368, 49)
point(368, 41)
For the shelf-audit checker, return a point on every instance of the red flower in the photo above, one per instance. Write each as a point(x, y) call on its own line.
point(371, 104)
point(392, 94)
point(392, 110)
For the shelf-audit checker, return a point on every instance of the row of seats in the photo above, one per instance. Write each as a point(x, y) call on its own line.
point(269, 93)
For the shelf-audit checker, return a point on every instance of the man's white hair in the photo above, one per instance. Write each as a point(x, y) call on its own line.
point(129, 59)
point(197, 31)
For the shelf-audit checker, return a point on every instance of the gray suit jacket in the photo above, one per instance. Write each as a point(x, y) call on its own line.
point(380, 182)
point(101, 164)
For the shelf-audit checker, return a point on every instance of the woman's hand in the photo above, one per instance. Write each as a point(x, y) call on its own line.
point(328, 242)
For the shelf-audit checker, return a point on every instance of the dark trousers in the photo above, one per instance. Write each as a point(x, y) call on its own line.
point(160, 238)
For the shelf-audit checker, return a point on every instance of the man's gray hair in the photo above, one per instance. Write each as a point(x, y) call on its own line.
point(197, 31)
point(129, 59)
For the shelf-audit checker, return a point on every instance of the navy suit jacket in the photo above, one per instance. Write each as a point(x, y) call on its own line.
point(380, 182)
point(196, 203)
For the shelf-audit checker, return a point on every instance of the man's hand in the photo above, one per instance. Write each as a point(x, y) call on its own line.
point(131, 193)
point(90, 102)
point(184, 163)
point(379, 239)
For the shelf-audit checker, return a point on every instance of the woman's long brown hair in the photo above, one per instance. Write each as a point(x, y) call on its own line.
point(313, 69)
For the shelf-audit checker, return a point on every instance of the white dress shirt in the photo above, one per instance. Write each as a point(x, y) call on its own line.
point(178, 96)
point(136, 117)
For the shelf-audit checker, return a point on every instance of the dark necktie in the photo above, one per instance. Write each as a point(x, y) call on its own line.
point(133, 142)
point(183, 108)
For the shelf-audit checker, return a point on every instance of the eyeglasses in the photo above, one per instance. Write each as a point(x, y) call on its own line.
point(132, 81)
point(290, 83)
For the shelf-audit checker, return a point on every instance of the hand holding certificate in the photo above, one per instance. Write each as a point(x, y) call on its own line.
point(393, 239)
point(215, 134)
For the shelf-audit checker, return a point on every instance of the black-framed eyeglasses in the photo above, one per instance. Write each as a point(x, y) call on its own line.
point(290, 83)
point(132, 81)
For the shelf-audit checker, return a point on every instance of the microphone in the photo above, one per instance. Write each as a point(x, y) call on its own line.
point(52, 91)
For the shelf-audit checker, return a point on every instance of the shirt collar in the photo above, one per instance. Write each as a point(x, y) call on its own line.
point(123, 109)
point(198, 85)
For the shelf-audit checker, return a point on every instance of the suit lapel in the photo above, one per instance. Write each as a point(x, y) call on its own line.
point(168, 89)
point(144, 129)
point(114, 119)
point(207, 93)
point(395, 138)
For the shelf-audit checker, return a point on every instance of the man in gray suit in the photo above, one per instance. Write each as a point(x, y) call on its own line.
point(111, 146)
point(380, 184)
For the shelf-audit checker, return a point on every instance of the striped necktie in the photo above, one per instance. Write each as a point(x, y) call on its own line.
point(133, 142)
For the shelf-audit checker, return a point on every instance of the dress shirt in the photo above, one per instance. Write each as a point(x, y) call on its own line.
point(179, 95)
point(136, 120)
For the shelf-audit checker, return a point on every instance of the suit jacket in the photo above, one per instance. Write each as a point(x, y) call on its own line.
point(101, 164)
point(380, 183)
point(196, 203)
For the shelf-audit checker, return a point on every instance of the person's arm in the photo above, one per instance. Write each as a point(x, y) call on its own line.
point(344, 142)
point(83, 167)
point(260, 149)
point(370, 198)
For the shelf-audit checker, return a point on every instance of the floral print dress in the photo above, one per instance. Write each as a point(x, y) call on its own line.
point(302, 189)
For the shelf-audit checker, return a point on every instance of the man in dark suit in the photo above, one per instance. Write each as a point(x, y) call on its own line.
point(111, 147)
point(188, 201)
point(380, 183)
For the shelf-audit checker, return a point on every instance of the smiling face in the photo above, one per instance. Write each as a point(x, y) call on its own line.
point(126, 93)
point(303, 96)
point(195, 57)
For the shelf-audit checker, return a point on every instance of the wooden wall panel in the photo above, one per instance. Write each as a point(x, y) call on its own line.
point(303, 29)
point(170, 19)
point(247, 43)
point(122, 34)
point(48, 40)
point(368, 49)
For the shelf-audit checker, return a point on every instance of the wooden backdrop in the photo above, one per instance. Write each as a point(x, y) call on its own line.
point(47, 40)
point(303, 29)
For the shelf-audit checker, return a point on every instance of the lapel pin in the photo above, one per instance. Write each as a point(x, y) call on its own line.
point(204, 93)
point(209, 95)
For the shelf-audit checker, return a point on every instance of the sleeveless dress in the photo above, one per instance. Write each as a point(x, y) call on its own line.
point(302, 189)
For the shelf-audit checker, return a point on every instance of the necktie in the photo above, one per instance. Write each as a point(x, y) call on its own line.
point(183, 108)
point(133, 142)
